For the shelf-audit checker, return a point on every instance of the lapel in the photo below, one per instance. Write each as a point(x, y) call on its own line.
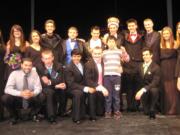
point(75, 68)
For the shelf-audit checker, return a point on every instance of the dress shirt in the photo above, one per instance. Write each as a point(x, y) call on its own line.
point(14, 84)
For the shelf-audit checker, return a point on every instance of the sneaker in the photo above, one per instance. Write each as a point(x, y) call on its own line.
point(117, 115)
point(108, 115)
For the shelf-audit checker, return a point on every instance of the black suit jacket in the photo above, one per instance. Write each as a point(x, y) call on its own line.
point(81, 46)
point(74, 79)
point(53, 43)
point(151, 78)
point(91, 73)
point(154, 44)
point(56, 76)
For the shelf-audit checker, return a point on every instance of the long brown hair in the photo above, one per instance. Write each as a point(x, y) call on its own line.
point(12, 39)
point(163, 43)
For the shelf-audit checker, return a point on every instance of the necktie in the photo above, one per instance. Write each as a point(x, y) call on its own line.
point(49, 70)
point(145, 67)
point(25, 103)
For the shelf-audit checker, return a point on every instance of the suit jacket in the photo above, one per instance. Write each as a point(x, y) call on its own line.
point(53, 43)
point(151, 78)
point(81, 47)
point(74, 79)
point(56, 76)
point(91, 73)
point(154, 44)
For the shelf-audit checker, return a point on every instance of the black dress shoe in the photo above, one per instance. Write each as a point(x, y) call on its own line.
point(52, 120)
point(93, 119)
point(36, 118)
point(13, 121)
point(152, 115)
point(77, 121)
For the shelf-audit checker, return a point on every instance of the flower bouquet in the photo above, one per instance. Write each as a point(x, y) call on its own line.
point(13, 60)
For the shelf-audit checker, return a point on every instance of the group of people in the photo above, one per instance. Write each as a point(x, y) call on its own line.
point(47, 73)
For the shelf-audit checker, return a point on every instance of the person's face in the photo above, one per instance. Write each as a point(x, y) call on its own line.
point(35, 37)
point(76, 59)
point(113, 29)
point(97, 53)
point(147, 57)
point(95, 34)
point(111, 43)
point(26, 66)
point(166, 34)
point(72, 33)
point(47, 59)
point(148, 25)
point(17, 33)
point(132, 27)
point(50, 28)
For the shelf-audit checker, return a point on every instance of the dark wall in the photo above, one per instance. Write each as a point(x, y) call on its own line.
point(93, 12)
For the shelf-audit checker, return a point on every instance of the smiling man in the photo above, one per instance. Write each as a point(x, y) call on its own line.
point(22, 90)
point(149, 73)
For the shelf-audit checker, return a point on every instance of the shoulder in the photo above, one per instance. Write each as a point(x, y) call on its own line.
point(57, 36)
point(43, 35)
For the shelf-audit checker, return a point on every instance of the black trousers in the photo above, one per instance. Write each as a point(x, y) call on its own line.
point(13, 104)
point(54, 100)
point(100, 103)
point(79, 104)
point(149, 100)
point(131, 85)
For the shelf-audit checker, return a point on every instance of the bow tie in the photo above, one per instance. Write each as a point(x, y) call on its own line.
point(73, 40)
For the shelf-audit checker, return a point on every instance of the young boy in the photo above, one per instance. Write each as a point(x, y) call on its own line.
point(112, 76)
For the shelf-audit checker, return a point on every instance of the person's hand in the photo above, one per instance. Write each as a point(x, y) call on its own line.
point(26, 94)
point(105, 92)
point(45, 80)
point(60, 86)
point(91, 90)
point(139, 94)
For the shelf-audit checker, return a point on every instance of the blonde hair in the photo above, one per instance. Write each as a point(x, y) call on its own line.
point(163, 43)
point(177, 34)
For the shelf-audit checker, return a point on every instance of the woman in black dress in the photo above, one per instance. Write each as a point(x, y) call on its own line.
point(2, 68)
point(178, 60)
point(168, 56)
point(34, 50)
point(15, 49)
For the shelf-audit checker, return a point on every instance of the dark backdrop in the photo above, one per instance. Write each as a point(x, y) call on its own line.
point(83, 15)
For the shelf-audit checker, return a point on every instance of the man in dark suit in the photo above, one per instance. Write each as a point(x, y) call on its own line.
point(152, 39)
point(51, 40)
point(149, 81)
point(52, 79)
point(74, 43)
point(94, 78)
point(133, 43)
point(77, 88)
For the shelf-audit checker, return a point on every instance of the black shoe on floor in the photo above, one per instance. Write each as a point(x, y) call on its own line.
point(52, 120)
point(77, 122)
point(13, 121)
point(93, 119)
point(152, 115)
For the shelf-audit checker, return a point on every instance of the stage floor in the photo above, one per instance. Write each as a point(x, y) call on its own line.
point(129, 124)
